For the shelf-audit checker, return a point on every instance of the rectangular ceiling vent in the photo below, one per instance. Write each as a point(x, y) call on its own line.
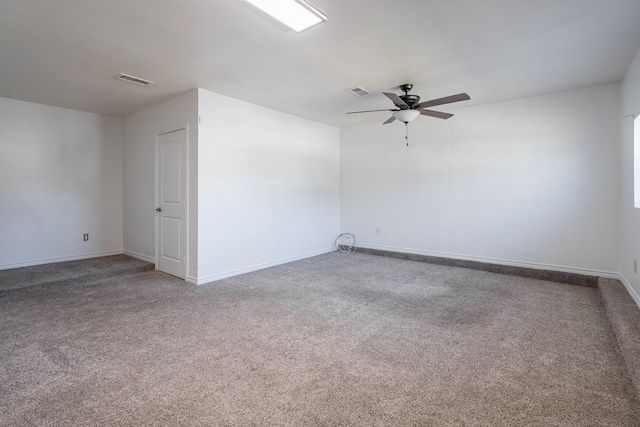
point(360, 91)
point(133, 79)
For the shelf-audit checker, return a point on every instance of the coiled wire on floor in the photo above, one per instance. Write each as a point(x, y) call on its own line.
point(346, 243)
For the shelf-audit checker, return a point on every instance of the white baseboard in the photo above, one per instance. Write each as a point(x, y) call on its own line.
point(511, 263)
point(59, 259)
point(630, 289)
point(220, 276)
point(140, 256)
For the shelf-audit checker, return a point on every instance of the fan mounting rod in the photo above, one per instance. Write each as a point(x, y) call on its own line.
point(410, 100)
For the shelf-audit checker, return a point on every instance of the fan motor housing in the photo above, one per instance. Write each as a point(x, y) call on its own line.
point(410, 100)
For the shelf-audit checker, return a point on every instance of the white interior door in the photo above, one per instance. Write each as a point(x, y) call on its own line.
point(171, 203)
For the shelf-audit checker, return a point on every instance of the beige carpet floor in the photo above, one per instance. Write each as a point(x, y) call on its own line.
point(18, 281)
point(335, 340)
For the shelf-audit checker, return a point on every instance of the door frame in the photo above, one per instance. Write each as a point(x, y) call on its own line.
point(164, 131)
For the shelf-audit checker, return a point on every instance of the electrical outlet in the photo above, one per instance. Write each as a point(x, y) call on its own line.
point(635, 266)
point(85, 237)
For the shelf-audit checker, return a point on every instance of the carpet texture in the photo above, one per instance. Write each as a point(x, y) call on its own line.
point(625, 320)
point(532, 273)
point(334, 340)
point(18, 281)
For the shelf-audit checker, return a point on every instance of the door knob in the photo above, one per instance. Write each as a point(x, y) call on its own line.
point(158, 209)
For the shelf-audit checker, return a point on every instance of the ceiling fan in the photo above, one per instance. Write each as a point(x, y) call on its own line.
point(409, 107)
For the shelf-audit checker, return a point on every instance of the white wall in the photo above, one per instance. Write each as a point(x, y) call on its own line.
point(140, 130)
point(531, 181)
point(60, 177)
point(527, 182)
point(276, 197)
point(630, 216)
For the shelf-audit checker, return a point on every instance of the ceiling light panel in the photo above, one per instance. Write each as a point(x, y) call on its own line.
point(296, 14)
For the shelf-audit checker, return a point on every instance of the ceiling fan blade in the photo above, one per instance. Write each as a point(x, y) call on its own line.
point(396, 99)
point(445, 100)
point(438, 114)
point(389, 120)
point(368, 111)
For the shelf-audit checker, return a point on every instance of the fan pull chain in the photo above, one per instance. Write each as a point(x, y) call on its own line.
point(406, 133)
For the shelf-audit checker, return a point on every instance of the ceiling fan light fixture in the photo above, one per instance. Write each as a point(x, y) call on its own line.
point(406, 116)
point(296, 14)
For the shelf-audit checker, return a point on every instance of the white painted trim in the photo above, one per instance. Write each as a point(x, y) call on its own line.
point(59, 259)
point(537, 266)
point(630, 290)
point(140, 256)
point(209, 279)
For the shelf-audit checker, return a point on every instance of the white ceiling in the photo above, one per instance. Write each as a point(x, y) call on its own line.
point(66, 52)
